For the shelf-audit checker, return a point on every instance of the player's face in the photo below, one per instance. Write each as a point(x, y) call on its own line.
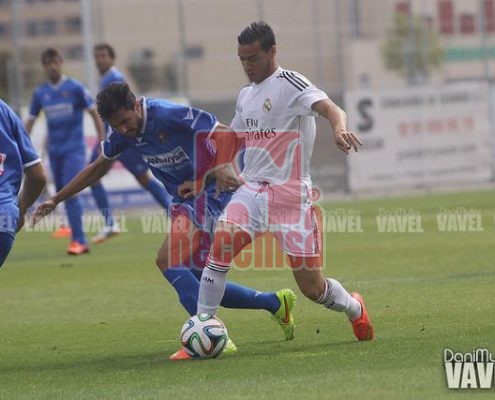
point(128, 122)
point(258, 64)
point(103, 60)
point(53, 68)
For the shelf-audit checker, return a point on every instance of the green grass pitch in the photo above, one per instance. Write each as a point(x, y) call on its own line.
point(102, 326)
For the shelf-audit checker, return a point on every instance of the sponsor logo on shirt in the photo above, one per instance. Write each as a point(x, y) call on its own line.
point(261, 134)
point(256, 133)
point(62, 110)
point(176, 156)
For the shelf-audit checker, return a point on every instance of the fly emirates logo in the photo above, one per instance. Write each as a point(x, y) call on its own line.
point(174, 157)
point(255, 133)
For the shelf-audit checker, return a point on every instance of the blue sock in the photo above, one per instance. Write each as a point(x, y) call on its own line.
point(159, 193)
point(101, 199)
point(237, 296)
point(186, 285)
point(74, 215)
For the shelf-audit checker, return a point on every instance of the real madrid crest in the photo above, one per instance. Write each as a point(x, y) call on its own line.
point(267, 105)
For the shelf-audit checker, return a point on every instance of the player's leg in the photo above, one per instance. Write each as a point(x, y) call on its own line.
point(301, 240)
point(73, 163)
point(6, 242)
point(135, 164)
point(56, 165)
point(181, 260)
point(331, 294)
point(8, 225)
point(240, 221)
point(187, 245)
point(101, 199)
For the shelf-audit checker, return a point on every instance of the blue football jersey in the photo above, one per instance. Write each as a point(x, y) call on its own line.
point(16, 153)
point(174, 143)
point(113, 75)
point(63, 104)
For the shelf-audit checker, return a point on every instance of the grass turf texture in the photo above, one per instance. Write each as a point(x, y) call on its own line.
point(101, 326)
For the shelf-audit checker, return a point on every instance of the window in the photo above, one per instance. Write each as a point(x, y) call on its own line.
point(73, 24)
point(446, 17)
point(489, 11)
point(467, 23)
point(32, 28)
point(48, 27)
point(402, 7)
point(75, 52)
point(42, 27)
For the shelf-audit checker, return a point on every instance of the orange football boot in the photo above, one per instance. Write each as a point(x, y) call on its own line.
point(75, 248)
point(180, 355)
point(362, 326)
point(62, 232)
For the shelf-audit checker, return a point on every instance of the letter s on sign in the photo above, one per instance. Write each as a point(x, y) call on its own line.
point(366, 121)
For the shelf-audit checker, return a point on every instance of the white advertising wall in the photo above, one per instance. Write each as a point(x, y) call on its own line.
point(420, 136)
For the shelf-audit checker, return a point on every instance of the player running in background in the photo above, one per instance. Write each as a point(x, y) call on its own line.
point(104, 56)
point(276, 116)
point(64, 100)
point(175, 142)
point(17, 157)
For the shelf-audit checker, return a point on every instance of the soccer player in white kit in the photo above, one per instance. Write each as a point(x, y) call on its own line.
point(275, 119)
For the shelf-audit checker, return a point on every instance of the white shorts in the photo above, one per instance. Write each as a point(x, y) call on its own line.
point(284, 210)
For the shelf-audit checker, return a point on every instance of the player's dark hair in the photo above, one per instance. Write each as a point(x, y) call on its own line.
point(107, 47)
point(49, 54)
point(258, 31)
point(113, 98)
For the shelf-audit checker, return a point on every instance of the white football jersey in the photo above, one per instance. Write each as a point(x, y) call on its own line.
point(276, 119)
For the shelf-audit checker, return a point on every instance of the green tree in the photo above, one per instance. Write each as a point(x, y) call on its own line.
point(411, 48)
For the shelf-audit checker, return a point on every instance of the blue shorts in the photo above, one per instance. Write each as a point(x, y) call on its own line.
point(204, 212)
point(9, 215)
point(130, 159)
point(66, 166)
point(6, 242)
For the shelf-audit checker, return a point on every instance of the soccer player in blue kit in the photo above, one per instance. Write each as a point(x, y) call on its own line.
point(64, 100)
point(17, 156)
point(104, 56)
point(175, 141)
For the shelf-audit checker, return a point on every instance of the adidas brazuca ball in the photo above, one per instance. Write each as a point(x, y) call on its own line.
point(204, 336)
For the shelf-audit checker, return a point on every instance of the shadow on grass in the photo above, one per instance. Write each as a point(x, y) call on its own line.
point(159, 359)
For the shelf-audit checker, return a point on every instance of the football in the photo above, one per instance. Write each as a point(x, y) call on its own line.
point(204, 336)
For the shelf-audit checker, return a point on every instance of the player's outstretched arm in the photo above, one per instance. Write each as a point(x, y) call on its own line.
point(337, 117)
point(100, 127)
point(33, 185)
point(28, 125)
point(91, 174)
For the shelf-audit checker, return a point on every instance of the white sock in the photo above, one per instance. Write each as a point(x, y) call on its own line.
point(211, 289)
point(336, 298)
